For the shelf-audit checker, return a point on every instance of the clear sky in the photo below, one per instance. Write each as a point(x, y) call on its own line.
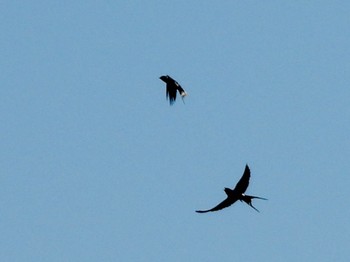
point(96, 166)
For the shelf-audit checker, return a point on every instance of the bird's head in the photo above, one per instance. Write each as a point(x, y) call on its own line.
point(164, 78)
point(227, 190)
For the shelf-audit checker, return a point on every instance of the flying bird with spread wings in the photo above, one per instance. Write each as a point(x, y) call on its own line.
point(236, 194)
point(171, 89)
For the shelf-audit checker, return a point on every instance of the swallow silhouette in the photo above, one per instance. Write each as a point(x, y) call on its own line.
point(171, 88)
point(236, 194)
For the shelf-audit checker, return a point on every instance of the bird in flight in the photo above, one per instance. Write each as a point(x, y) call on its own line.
point(236, 194)
point(171, 88)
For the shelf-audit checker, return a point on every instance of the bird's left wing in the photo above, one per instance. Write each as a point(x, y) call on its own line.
point(226, 203)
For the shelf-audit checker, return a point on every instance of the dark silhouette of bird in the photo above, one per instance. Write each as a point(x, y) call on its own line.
point(236, 194)
point(171, 88)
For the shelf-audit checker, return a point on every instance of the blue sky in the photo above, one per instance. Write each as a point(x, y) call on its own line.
point(96, 166)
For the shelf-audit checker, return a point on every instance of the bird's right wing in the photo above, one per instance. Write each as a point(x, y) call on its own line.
point(243, 183)
point(226, 203)
point(171, 92)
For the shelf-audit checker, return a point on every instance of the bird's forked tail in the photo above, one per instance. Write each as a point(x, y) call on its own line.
point(183, 94)
point(248, 200)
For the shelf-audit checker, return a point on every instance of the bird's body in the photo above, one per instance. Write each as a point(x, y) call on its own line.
point(171, 89)
point(236, 194)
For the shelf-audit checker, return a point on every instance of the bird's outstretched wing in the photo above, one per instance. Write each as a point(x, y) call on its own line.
point(243, 183)
point(226, 203)
point(171, 90)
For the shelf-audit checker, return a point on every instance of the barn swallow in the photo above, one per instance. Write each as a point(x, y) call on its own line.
point(236, 194)
point(171, 88)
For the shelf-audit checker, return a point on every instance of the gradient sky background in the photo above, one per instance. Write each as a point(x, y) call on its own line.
point(96, 166)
